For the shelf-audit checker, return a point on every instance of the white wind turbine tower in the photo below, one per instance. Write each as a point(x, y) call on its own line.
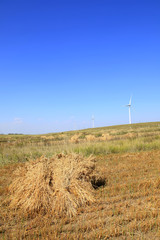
point(129, 106)
point(92, 121)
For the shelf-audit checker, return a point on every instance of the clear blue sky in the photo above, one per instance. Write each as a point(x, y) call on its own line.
point(63, 60)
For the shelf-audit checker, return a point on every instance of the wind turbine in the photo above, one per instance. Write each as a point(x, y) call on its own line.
point(129, 107)
point(92, 121)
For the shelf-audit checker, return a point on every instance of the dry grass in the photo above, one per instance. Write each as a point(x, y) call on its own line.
point(127, 207)
point(117, 139)
point(59, 185)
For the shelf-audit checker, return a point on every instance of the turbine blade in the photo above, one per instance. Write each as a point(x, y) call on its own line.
point(130, 100)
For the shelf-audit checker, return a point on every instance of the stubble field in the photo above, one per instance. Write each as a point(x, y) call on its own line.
point(127, 207)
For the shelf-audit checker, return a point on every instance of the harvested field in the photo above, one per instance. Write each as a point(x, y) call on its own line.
point(129, 205)
point(126, 207)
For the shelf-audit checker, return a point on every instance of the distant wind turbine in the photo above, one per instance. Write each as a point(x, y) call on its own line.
point(92, 121)
point(129, 107)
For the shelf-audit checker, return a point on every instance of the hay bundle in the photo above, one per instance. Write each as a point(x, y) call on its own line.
point(47, 137)
point(90, 138)
point(105, 137)
point(50, 137)
point(43, 137)
point(59, 185)
point(129, 135)
point(75, 138)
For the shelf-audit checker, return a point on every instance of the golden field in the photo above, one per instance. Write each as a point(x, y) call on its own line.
point(126, 207)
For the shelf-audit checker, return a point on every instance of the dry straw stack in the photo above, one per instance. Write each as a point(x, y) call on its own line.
point(75, 138)
point(105, 137)
point(59, 185)
point(90, 138)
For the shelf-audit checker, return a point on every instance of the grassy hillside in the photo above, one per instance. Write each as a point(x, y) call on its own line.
point(98, 141)
point(127, 207)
